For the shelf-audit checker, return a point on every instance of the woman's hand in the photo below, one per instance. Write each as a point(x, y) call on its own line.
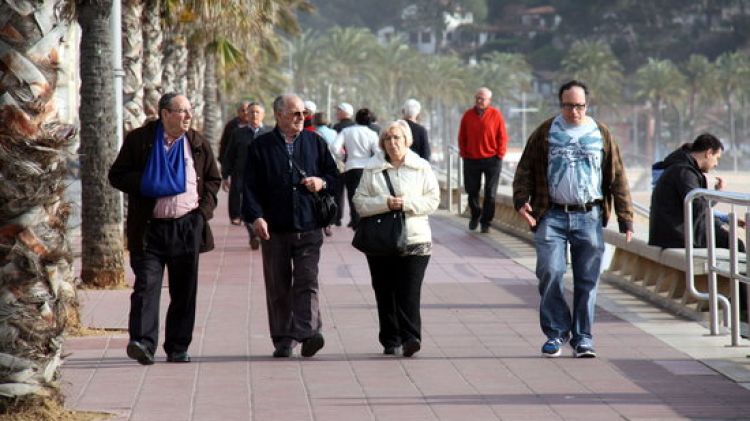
point(395, 203)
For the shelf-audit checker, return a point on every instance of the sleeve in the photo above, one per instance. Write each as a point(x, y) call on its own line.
point(621, 191)
point(502, 136)
point(429, 199)
point(229, 156)
point(126, 171)
point(338, 147)
point(251, 209)
point(462, 137)
point(211, 183)
point(523, 180)
point(368, 198)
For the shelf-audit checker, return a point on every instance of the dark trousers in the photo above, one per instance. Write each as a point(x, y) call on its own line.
point(397, 282)
point(173, 243)
point(234, 202)
point(339, 197)
point(290, 270)
point(352, 178)
point(474, 169)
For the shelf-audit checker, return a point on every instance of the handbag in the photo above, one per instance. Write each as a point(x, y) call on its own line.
point(325, 204)
point(164, 174)
point(382, 234)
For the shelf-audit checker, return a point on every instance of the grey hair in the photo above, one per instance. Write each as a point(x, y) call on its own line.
point(256, 104)
point(411, 108)
point(280, 102)
point(166, 101)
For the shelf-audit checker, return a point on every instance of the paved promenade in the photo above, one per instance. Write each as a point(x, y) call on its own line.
point(479, 361)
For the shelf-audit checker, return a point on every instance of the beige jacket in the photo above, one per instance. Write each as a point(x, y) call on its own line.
point(414, 181)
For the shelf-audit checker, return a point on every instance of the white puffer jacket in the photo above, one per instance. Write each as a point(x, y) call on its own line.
point(414, 181)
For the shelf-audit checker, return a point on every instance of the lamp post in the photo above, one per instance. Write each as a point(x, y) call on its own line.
point(523, 110)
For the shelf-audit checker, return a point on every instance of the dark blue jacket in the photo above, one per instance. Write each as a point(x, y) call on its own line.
point(272, 186)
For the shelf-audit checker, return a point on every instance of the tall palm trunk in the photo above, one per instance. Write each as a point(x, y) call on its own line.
point(152, 58)
point(174, 76)
point(36, 281)
point(212, 111)
point(196, 81)
point(132, 58)
point(101, 236)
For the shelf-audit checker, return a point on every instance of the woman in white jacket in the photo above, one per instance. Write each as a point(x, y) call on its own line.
point(397, 280)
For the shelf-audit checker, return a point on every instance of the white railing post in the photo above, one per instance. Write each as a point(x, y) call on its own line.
point(449, 178)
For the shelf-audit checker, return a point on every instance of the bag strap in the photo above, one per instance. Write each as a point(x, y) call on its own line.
point(388, 182)
point(296, 166)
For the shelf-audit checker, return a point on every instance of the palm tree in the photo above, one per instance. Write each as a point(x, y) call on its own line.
point(661, 83)
point(132, 60)
point(733, 71)
point(593, 63)
point(392, 76)
point(506, 73)
point(702, 80)
point(347, 56)
point(152, 69)
point(37, 273)
point(101, 236)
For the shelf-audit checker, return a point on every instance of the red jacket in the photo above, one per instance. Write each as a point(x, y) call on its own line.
point(482, 137)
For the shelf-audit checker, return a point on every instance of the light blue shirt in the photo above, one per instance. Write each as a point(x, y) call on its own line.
point(575, 162)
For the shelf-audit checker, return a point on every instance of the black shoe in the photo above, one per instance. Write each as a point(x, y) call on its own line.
point(282, 352)
point(178, 357)
point(255, 243)
point(312, 345)
point(140, 353)
point(391, 350)
point(411, 347)
point(485, 229)
point(473, 224)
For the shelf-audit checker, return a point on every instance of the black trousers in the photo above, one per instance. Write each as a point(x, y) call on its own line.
point(352, 178)
point(474, 169)
point(234, 202)
point(290, 271)
point(173, 243)
point(397, 282)
point(339, 197)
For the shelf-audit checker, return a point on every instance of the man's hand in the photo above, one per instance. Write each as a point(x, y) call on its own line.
point(261, 228)
point(628, 236)
point(719, 185)
point(225, 184)
point(525, 212)
point(313, 183)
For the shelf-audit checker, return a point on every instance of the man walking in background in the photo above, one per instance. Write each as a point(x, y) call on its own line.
point(235, 157)
point(482, 142)
point(569, 175)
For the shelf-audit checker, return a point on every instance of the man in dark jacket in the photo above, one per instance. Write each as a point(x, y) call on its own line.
point(166, 230)
point(233, 163)
point(682, 171)
point(278, 200)
point(420, 143)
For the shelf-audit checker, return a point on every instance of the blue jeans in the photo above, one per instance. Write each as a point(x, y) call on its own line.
point(583, 230)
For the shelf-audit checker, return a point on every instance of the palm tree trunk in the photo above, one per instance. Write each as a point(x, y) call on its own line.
point(101, 235)
point(37, 274)
point(152, 58)
point(196, 82)
point(132, 54)
point(174, 76)
point(211, 112)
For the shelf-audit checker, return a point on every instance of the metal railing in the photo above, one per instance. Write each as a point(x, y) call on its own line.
point(731, 309)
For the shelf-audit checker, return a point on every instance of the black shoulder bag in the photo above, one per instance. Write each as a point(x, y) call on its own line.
point(382, 234)
point(325, 204)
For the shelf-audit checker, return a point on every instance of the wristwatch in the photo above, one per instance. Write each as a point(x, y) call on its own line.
point(324, 185)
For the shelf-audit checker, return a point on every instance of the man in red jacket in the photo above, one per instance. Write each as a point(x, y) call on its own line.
point(482, 142)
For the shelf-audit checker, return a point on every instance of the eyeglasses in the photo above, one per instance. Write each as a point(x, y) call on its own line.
point(569, 107)
point(297, 114)
point(182, 111)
